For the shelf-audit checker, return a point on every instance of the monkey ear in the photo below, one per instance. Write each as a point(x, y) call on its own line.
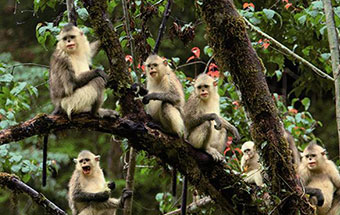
point(97, 158)
point(215, 83)
point(323, 153)
point(165, 62)
point(75, 160)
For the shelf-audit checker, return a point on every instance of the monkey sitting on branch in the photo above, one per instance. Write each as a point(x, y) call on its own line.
point(316, 171)
point(89, 193)
point(165, 98)
point(200, 110)
point(250, 164)
point(74, 88)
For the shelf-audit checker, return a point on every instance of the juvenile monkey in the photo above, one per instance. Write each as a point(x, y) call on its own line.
point(316, 171)
point(202, 108)
point(250, 164)
point(165, 98)
point(74, 88)
point(88, 193)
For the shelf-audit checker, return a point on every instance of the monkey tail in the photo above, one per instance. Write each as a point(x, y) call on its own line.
point(44, 172)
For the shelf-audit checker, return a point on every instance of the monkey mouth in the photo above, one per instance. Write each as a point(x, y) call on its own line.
point(204, 94)
point(71, 46)
point(153, 73)
point(312, 164)
point(86, 170)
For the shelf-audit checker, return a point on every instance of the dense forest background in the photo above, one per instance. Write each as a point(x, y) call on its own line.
point(27, 39)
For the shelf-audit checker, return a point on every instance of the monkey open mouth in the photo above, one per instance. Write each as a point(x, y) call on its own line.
point(86, 170)
point(153, 73)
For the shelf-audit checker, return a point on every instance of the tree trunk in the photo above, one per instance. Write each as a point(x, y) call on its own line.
point(228, 37)
point(334, 48)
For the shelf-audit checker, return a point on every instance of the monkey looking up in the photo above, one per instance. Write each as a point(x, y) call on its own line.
point(165, 97)
point(74, 88)
point(200, 110)
point(250, 164)
point(88, 193)
point(316, 171)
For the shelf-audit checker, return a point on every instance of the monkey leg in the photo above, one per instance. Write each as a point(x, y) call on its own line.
point(200, 135)
point(81, 100)
point(171, 119)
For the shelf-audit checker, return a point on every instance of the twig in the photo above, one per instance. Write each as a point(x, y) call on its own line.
point(13, 183)
point(188, 64)
point(289, 52)
point(130, 181)
point(207, 66)
point(166, 15)
point(194, 206)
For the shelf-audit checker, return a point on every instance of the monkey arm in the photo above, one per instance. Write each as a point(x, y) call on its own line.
point(80, 196)
point(334, 174)
point(226, 125)
point(193, 122)
point(315, 192)
point(165, 97)
point(95, 47)
point(86, 77)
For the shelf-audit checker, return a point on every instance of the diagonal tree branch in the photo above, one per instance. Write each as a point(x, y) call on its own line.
point(13, 183)
point(218, 182)
point(287, 51)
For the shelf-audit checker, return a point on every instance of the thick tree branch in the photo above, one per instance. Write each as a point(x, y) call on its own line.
point(287, 51)
point(194, 206)
point(226, 188)
point(14, 184)
point(228, 37)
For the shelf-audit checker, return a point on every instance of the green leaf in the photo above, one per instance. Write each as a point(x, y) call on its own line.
point(302, 19)
point(16, 90)
point(25, 178)
point(269, 13)
point(306, 103)
point(83, 14)
point(150, 41)
point(15, 158)
point(6, 78)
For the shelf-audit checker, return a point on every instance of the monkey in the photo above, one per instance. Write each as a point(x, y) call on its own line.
point(250, 164)
point(201, 108)
point(165, 98)
point(74, 88)
point(88, 191)
point(316, 171)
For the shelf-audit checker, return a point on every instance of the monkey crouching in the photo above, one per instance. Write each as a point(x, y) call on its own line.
point(74, 88)
point(316, 171)
point(89, 193)
point(201, 109)
point(250, 164)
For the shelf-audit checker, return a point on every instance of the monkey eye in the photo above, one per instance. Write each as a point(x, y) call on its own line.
point(81, 161)
point(87, 159)
point(247, 150)
point(206, 86)
point(64, 38)
point(72, 36)
point(155, 64)
point(199, 87)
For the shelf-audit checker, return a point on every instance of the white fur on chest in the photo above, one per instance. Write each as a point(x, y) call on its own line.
point(154, 106)
point(80, 64)
point(93, 184)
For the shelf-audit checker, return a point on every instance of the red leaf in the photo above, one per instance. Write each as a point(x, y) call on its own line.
point(265, 45)
point(128, 58)
point(141, 67)
point(191, 58)
point(196, 52)
point(245, 5)
point(238, 150)
point(252, 5)
point(287, 1)
point(213, 71)
point(288, 5)
point(293, 111)
point(226, 150)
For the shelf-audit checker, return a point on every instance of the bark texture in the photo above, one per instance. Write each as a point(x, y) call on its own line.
point(227, 35)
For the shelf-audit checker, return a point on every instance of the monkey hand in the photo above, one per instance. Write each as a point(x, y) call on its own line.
point(102, 74)
point(125, 194)
point(111, 185)
point(138, 89)
point(146, 99)
point(218, 123)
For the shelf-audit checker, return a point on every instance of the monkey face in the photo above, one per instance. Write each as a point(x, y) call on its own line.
point(152, 69)
point(312, 161)
point(203, 91)
point(85, 165)
point(248, 149)
point(69, 43)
